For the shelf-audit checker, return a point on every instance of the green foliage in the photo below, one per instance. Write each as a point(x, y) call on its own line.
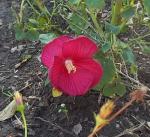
point(45, 38)
point(146, 49)
point(95, 4)
point(77, 22)
point(112, 28)
point(31, 35)
point(106, 47)
point(116, 12)
point(133, 69)
point(114, 88)
point(109, 71)
point(128, 55)
point(128, 12)
point(74, 1)
point(147, 5)
point(34, 18)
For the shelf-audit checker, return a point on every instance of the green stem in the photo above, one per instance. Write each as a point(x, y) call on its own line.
point(113, 41)
point(116, 12)
point(31, 5)
point(74, 10)
point(24, 123)
point(87, 33)
point(99, 29)
point(21, 10)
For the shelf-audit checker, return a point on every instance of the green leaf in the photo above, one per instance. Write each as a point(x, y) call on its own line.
point(120, 89)
point(32, 35)
point(121, 45)
point(19, 33)
point(128, 12)
point(78, 22)
point(46, 82)
point(128, 55)
point(147, 6)
point(45, 38)
point(112, 28)
point(108, 72)
point(115, 88)
point(105, 47)
point(146, 49)
point(95, 4)
point(33, 21)
point(133, 69)
point(74, 1)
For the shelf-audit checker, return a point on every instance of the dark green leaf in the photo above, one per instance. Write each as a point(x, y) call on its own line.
point(116, 88)
point(45, 38)
point(109, 90)
point(105, 47)
point(47, 81)
point(32, 35)
point(74, 1)
point(112, 28)
point(120, 89)
point(109, 72)
point(121, 45)
point(128, 12)
point(95, 4)
point(147, 5)
point(128, 55)
point(146, 49)
point(77, 22)
point(19, 33)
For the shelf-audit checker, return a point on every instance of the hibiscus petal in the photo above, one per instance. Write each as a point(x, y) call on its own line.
point(93, 66)
point(81, 47)
point(77, 83)
point(53, 48)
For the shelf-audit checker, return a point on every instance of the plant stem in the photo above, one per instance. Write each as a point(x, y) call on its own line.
point(24, 123)
point(116, 12)
point(99, 29)
point(21, 11)
point(31, 5)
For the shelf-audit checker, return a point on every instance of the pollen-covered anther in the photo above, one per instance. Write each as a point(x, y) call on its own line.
point(69, 66)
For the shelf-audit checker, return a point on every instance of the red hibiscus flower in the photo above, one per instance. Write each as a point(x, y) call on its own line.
point(70, 63)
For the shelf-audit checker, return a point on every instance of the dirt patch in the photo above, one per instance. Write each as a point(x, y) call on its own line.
point(43, 111)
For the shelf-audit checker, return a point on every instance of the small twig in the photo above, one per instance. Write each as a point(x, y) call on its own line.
point(57, 126)
point(24, 87)
point(141, 123)
point(131, 130)
point(132, 79)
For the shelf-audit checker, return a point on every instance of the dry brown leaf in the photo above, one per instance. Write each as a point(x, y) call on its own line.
point(8, 111)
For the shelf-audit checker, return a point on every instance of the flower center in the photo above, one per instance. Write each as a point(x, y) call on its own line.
point(69, 66)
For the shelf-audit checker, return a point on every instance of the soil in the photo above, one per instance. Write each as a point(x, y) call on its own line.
point(43, 111)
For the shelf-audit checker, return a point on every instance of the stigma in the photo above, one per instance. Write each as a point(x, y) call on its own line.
point(69, 66)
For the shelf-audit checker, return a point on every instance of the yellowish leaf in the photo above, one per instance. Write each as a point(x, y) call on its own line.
point(56, 92)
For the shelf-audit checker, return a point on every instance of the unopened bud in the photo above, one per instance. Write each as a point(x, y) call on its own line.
point(19, 101)
point(107, 109)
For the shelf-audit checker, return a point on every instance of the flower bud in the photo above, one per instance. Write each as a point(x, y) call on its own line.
point(19, 101)
point(106, 109)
